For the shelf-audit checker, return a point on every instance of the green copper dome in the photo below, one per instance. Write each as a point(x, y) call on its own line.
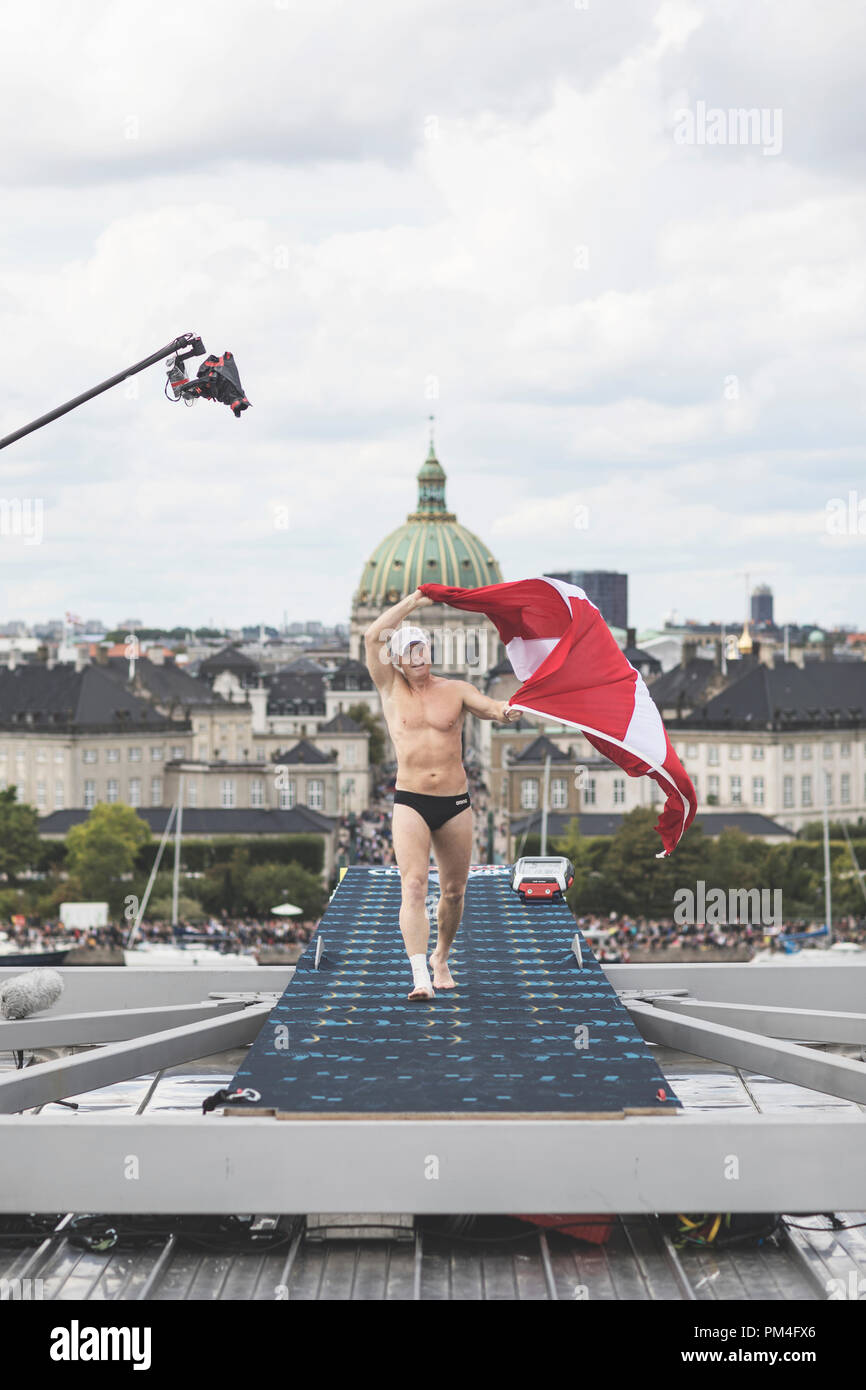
point(431, 547)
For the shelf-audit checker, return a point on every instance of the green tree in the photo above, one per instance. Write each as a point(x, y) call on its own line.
point(362, 714)
point(103, 848)
point(268, 885)
point(19, 835)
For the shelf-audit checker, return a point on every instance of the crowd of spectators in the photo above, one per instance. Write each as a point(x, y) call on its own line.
point(228, 934)
point(615, 937)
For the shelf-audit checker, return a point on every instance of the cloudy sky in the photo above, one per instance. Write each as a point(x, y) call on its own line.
point(638, 321)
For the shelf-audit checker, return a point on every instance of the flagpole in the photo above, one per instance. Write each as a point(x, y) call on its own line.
point(828, 908)
point(544, 805)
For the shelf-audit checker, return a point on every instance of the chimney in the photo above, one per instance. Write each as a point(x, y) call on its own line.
point(631, 637)
point(101, 655)
point(156, 655)
point(12, 660)
point(717, 654)
point(81, 659)
point(690, 648)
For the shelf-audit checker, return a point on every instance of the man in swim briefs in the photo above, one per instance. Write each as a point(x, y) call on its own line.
point(424, 714)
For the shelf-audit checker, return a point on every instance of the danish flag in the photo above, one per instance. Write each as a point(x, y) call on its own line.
point(574, 672)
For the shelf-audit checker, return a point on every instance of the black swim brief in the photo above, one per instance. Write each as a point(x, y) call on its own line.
point(436, 810)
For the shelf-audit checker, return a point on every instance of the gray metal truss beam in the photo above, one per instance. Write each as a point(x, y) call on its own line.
point(812, 1025)
point(87, 988)
point(103, 1066)
point(251, 1163)
point(787, 1061)
point(110, 1025)
point(833, 986)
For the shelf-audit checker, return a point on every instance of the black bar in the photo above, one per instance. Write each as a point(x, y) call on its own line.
point(175, 346)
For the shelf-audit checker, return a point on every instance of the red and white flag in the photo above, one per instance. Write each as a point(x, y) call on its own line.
point(572, 671)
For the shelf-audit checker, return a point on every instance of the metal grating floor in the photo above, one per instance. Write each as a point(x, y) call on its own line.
point(497, 1258)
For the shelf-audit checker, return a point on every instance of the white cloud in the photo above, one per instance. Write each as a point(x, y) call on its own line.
point(359, 202)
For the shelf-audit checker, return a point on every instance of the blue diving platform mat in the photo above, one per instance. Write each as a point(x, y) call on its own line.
point(528, 1030)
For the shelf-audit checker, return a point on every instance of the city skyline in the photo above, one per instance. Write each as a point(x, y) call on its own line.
point(639, 338)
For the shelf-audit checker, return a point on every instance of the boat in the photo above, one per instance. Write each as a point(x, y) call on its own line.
point(12, 954)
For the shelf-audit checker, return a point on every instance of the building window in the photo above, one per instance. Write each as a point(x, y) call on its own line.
point(135, 755)
point(227, 793)
point(589, 792)
point(828, 787)
point(845, 788)
point(156, 754)
point(176, 750)
point(58, 755)
point(828, 750)
point(806, 791)
point(787, 791)
point(806, 752)
point(89, 795)
point(713, 754)
point(202, 752)
point(190, 791)
point(40, 796)
point(156, 791)
point(695, 780)
point(315, 794)
point(287, 795)
point(619, 791)
point(736, 791)
point(757, 791)
point(529, 793)
point(135, 791)
point(111, 790)
point(735, 751)
point(112, 755)
point(713, 786)
point(58, 796)
point(788, 752)
point(559, 793)
point(257, 792)
point(352, 753)
point(41, 755)
point(260, 755)
point(89, 755)
point(757, 752)
point(844, 750)
point(692, 750)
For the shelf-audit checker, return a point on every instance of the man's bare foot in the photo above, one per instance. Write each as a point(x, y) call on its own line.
point(421, 992)
point(441, 974)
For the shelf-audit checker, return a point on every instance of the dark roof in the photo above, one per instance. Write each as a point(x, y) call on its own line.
point(211, 821)
point(638, 658)
point(819, 694)
point(295, 692)
point(304, 664)
point(36, 697)
point(350, 670)
point(166, 684)
point(688, 682)
point(712, 823)
point(302, 752)
point(342, 724)
point(537, 751)
point(229, 659)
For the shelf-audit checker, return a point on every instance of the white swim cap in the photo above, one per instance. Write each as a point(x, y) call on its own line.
point(404, 637)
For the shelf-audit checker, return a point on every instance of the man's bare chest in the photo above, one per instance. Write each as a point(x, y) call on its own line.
point(439, 709)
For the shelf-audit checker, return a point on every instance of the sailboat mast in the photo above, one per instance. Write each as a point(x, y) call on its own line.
point(175, 882)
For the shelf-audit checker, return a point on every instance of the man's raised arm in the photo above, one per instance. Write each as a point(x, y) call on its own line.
point(485, 708)
point(377, 637)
